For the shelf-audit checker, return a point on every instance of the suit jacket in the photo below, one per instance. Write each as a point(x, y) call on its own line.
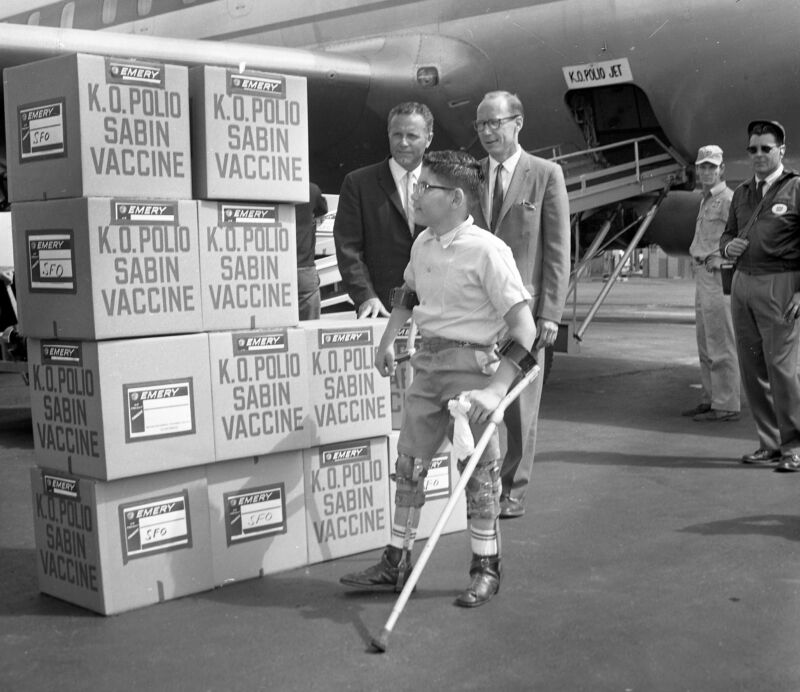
point(373, 241)
point(534, 223)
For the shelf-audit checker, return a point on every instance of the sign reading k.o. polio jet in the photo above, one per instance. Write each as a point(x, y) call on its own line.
point(249, 136)
point(89, 126)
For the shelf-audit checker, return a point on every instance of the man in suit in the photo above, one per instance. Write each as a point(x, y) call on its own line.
point(524, 202)
point(374, 227)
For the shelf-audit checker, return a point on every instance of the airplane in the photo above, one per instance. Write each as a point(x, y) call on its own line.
point(622, 93)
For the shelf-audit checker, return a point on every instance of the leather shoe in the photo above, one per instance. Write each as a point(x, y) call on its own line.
point(485, 573)
point(510, 507)
point(789, 462)
point(716, 415)
point(762, 456)
point(700, 408)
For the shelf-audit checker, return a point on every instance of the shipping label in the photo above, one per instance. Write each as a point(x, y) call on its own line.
point(51, 261)
point(42, 130)
point(255, 513)
point(159, 409)
point(155, 526)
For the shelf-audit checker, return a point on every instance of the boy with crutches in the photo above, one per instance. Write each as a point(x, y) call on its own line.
point(465, 293)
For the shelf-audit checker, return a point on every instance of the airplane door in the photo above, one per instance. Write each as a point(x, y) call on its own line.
point(613, 113)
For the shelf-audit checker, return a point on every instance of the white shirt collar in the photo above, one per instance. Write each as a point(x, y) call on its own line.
point(509, 164)
point(447, 239)
point(398, 172)
point(772, 177)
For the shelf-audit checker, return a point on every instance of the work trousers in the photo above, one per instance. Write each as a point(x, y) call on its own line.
point(768, 355)
point(518, 437)
point(716, 343)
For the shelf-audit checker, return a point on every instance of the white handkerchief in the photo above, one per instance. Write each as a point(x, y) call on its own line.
point(463, 442)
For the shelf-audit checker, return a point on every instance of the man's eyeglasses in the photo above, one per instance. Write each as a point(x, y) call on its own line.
point(422, 187)
point(764, 148)
point(494, 123)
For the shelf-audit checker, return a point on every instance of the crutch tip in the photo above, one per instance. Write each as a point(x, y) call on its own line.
point(380, 642)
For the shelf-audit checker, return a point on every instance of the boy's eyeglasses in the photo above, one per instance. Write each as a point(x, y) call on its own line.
point(764, 148)
point(421, 187)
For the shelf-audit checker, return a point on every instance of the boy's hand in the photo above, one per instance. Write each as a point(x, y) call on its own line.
point(385, 361)
point(482, 403)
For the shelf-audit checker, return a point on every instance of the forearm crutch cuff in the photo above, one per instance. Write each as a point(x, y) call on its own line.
point(520, 356)
point(402, 297)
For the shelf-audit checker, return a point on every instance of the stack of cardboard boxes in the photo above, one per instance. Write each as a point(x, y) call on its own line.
point(189, 431)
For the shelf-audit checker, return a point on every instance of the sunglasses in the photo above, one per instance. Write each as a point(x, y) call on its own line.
point(764, 148)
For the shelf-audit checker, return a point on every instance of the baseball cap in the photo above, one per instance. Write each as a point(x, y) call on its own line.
point(772, 123)
point(711, 153)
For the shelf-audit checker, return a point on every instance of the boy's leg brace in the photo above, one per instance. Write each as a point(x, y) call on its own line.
point(409, 498)
point(483, 489)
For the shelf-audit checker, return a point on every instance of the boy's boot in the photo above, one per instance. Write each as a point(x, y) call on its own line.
point(485, 572)
point(380, 577)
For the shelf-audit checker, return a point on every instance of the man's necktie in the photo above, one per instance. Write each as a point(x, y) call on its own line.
point(409, 201)
point(497, 197)
point(760, 188)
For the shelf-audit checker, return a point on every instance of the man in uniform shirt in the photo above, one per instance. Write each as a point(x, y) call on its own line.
point(716, 345)
point(763, 237)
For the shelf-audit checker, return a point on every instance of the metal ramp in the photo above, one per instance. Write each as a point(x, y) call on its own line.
point(601, 179)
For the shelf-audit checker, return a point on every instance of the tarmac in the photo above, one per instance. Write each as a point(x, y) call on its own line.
point(649, 559)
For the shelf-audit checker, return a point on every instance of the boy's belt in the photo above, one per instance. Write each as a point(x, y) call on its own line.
point(435, 343)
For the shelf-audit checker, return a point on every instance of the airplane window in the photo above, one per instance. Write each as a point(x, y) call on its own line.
point(68, 15)
point(188, 2)
point(35, 17)
point(109, 11)
point(144, 7)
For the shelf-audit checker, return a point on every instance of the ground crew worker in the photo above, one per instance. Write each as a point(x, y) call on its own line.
point(465, 292)
point(716, 344)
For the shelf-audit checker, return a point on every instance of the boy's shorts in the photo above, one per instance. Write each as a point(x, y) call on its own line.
point(438, 377)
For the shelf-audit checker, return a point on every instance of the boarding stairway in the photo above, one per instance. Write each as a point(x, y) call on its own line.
point(600, 178)
point(638, 171)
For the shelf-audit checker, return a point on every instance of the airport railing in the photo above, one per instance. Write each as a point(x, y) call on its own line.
point(614, 172)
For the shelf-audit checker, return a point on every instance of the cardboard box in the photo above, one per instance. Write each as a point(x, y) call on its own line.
point(248, 263)
point(115, 546)
point(349, 398)
point(101, 268)
point(249, 135)
point(347, 498)
point(439, 485)
point(88, 126)
point(258, 516)
point(260, 392)
point(403, 374)
point(113, 409)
